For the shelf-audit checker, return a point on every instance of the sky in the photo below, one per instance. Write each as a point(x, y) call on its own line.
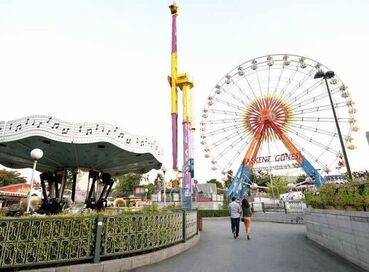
point(108, 61)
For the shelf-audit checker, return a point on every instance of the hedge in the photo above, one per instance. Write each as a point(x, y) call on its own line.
point(212, 213)
point(350, 195)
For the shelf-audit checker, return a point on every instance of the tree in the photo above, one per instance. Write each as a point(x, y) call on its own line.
point(217, 183)
point(359, 175)
point(151, 189)
point(10, 177)
point(159, 179)
point(228, 182)
point(301, 178)
point(261, 178)
point(127, 183)
point(277, 186)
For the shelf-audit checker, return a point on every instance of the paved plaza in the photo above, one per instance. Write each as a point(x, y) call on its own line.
point(273, 247)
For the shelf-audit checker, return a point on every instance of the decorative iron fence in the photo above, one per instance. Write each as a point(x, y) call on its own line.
point(191, 224)
point(38, 241)
point(136, 233)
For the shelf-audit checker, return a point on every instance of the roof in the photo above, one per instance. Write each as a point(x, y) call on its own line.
point(99, 146)
point(16, 188)
point(12, 194)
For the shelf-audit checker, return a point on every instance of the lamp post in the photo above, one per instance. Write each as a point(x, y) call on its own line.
point(327, 75)
point(146, 190)
point(36, 154)
point(164, 169)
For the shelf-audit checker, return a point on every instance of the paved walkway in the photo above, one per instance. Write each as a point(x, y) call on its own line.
point(273, 247)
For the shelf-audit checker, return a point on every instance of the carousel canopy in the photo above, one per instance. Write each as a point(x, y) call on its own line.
point(98, 146)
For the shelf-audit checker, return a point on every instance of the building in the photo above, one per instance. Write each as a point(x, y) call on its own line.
point(12, 194)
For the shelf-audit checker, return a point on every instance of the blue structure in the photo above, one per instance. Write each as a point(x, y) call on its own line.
point(238, 187)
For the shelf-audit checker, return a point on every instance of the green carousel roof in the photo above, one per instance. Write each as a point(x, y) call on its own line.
point(98, 146)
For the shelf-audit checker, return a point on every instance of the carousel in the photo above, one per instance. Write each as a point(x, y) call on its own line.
point(103, 150)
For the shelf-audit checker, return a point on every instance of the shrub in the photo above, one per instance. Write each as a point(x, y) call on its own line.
point(152, 209)
point(120, 202)
point(2, 212)
point(365, 195)
point(350, 195)
point(212, 213)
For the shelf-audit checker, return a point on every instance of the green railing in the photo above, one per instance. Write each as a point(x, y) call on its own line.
point(135, 233)
point(41, 241)
point(191, 224)
point(28, 241)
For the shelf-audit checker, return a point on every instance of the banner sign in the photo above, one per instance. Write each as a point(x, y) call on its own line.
point(277, 167)
point(276, 158)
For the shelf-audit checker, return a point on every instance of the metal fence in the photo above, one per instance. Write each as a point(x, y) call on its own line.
point(283, 206)
point(28, 241)
point(295, 206)
point(258, 206)
point(34, 241)
point(191, 224)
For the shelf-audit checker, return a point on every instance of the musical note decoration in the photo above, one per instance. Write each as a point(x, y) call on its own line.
point(78, 133)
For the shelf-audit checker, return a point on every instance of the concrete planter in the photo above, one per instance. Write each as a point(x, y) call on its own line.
point(343, 232)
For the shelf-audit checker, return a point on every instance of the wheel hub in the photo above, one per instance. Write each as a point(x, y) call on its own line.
point(265, 109)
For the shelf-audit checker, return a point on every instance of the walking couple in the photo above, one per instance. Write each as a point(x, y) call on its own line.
point(236, 210)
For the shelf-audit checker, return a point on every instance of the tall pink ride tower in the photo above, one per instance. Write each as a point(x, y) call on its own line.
point(185, 84)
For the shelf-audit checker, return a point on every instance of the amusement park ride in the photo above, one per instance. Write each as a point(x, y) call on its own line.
point(103, 149)
point(272, 110)
point(181, 80)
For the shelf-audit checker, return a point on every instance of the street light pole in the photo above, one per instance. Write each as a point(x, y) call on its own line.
point(146, 190)
point(164, 169)
point(36, 154)
point(327, 75)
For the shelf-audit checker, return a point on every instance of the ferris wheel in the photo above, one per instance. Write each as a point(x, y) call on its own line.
point(270, 113)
